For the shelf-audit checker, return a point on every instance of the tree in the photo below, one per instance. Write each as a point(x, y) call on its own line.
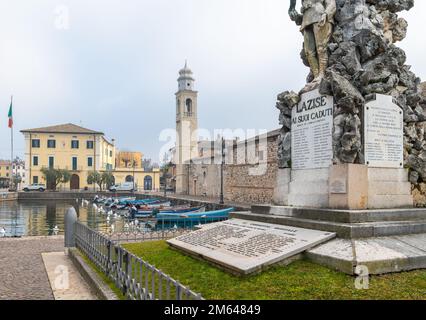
point(65, 176)
point(126, 162)
point(49, 175)
point(147, 164)
point(94, 177)
point(17, 179)
point(108, 179)
point(165, 168)
point(54, 177)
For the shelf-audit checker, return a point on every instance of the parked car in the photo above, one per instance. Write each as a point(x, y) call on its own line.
point(35, 187)
point(127, 186)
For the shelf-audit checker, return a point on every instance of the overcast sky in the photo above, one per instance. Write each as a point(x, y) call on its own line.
point(114, 68)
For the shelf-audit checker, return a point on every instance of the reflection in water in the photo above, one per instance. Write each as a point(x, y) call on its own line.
point(39, 218)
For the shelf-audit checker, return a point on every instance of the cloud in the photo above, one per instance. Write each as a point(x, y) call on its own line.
point(115, 67)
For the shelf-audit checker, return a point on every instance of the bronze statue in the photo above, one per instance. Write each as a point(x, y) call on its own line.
point(316, 23)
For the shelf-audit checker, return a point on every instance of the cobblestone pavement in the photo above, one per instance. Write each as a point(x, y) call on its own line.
point(22, 272)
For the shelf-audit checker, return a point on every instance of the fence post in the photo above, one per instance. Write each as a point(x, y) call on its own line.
point(117, 266)
point(109, 258)
point(70, 220)
point(127, 271)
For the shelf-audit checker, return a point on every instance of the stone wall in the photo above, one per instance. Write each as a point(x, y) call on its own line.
point(419, 189)
point(253, 183)
point(8, 196)
point(249, 173)
point(204, 179)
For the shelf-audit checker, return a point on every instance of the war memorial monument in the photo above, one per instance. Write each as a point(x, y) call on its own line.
point(352, 148)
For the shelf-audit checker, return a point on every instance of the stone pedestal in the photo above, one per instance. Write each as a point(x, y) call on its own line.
point(389, 188)
point(309, 188)
point(322, 174)
point(282, 187)
point(346, 186)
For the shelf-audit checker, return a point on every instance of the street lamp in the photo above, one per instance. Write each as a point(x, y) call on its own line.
point(189, 172)
point(221, 172)
point(134, 162)
point(165, 181)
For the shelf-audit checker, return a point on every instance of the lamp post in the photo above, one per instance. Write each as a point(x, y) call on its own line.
point(221, 172)
point(189, 172)
point(165, 181)
point(133, 162)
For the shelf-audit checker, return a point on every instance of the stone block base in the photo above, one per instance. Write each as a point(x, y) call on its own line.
point(282, 187)
point(389, 188)
point(348, 186)
point(309, 188)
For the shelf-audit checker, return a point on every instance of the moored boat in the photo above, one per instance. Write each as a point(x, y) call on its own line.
point(169, 220)
point(223, 213)
point(137, 203)
point(172, 210)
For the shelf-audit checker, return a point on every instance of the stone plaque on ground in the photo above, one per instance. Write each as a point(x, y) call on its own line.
point(384, 133)
point(248, 246)
point(312, 128)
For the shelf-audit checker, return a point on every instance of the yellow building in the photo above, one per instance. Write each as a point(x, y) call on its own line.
point(4, 173)
point(144, 181)
point(128, 159)
point(129, 168)
point(80, 151)
point(5, 169)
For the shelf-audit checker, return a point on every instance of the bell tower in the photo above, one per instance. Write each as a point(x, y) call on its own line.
point(186, 127)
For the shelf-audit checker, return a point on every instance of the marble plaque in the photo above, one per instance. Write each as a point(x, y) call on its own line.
point(338, 186)
point(311, 132)
point(248, 246)
point(383, 133)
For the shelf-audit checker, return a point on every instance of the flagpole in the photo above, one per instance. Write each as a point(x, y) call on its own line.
point(11, 149)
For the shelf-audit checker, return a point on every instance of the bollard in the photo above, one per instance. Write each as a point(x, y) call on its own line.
point(70, 220)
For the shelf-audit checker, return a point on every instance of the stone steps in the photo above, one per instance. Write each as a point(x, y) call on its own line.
point(343, 230)
point(311, 200)
point(379, 255)
point(343, 216)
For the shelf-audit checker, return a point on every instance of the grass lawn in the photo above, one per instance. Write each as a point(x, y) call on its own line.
point(103, 276)
point(300, 280)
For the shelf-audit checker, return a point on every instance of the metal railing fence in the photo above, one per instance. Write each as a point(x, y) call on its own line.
point(147, 229)
point(136, 278)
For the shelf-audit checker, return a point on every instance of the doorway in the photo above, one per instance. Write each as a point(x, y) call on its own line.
point(75, 182)
point(147, 183)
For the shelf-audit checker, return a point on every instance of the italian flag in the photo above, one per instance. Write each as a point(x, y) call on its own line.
point(10, 115)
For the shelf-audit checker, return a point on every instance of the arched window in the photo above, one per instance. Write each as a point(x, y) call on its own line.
point(147, 183)
point(188, 105)
point(129, 178)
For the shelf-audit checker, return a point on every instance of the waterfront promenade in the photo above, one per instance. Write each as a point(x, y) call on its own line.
point(22, 270)
point(23, 273)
